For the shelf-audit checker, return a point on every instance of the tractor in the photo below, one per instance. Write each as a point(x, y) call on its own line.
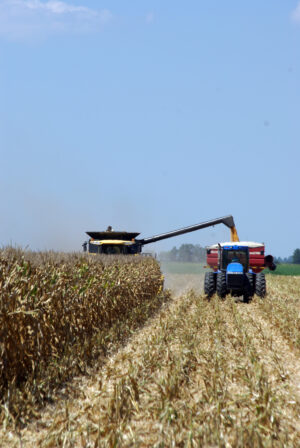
point(237, 270)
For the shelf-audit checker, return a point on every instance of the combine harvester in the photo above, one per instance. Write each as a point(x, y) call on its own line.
point(236, 266)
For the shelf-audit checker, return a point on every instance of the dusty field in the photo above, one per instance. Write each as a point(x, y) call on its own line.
point(180, 284)
point(215, 374)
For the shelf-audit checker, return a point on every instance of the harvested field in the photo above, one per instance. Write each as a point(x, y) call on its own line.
point(199, 373)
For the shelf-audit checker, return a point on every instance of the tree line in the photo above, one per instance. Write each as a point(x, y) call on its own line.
point(193, 253)
point(293, 259)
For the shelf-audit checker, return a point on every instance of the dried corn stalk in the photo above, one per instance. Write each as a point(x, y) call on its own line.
point(58, 313)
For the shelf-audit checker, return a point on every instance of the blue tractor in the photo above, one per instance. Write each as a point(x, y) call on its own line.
point(233, 276)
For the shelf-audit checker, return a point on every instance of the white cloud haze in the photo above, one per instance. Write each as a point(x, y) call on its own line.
point(150, 17)
point(30, 18)
point(296, 14)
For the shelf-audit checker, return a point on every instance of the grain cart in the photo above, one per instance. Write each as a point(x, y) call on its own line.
point(237, 269)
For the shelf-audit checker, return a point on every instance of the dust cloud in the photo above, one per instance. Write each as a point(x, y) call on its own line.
point(182, 283)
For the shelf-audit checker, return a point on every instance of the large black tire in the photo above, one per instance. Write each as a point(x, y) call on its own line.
point(260, 285)
point(248, 288)
point(251, 283)
point(209, 284)
point(221, 285)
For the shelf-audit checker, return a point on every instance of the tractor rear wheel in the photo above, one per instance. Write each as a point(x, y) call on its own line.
point(209, 284)
point(221, 285)
point(260, 285)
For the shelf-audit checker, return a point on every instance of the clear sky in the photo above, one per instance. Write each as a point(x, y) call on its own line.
point(149, 116)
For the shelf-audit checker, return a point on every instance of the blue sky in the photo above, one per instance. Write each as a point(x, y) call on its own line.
point(149, 116)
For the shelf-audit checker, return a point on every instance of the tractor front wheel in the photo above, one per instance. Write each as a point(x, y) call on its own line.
point(248, 288)
point(209, 284)
point(221, 285)
point(251, 282)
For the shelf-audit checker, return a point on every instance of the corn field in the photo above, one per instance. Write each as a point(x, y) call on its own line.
point(60, 314)
point(216, 373)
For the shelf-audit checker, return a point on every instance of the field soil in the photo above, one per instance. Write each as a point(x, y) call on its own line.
point(216, 373)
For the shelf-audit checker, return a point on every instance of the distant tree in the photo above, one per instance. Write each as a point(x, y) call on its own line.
point(296, 256)
point(174, 254)
point(164, 256)
point(170, 255)
point(288, 260)
point(199, 253)
point(186, 253)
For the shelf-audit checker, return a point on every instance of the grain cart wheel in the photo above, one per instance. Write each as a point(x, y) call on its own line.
point(260, 285)
point(209, 284)
point(221, 285)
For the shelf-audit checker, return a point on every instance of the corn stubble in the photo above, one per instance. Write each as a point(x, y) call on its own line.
point(60, 314)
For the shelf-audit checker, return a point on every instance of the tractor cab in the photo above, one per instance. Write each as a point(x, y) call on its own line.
point(234, 264)
point(231, 256)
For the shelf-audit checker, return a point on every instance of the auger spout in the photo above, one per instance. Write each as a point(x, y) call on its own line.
point(227, 220)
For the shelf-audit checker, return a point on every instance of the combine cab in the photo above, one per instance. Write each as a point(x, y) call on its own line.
point(237, 269)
